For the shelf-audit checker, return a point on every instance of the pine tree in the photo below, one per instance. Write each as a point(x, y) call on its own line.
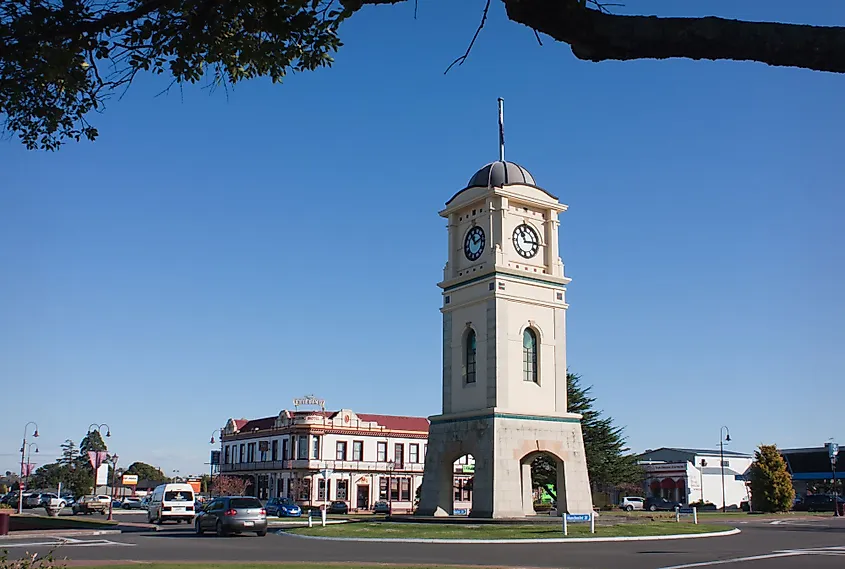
point(771, 484)
point(70, 453)
point(609, 461)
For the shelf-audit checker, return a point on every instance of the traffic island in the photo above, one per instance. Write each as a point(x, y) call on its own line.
point(502, 533)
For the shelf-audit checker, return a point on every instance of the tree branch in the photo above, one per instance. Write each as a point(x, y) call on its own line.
point(596, 35)
point(599, 36)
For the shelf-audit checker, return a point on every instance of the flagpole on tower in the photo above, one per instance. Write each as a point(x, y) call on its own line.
point(501, 129)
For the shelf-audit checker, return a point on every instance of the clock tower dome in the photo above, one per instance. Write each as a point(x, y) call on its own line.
point(504, 349)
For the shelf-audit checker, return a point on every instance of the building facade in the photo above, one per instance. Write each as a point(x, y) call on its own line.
point(315, 457)
point(694, 475)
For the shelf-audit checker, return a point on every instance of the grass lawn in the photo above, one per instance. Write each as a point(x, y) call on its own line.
point(21, 523)
point(262, 566)
point(365, 530)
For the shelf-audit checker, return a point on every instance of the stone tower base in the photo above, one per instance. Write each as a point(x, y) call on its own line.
point(503, 446)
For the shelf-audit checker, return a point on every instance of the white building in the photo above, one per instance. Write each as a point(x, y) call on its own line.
point(371, 457)
point(691, 475)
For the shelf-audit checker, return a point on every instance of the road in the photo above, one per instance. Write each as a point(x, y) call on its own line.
point(783, 545)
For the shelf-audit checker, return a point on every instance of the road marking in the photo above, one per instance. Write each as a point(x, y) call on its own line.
point(828, 551)
point(68, 542)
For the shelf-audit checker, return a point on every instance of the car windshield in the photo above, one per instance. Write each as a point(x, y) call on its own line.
point(178, 497)
point(287, 502)
point(244, 503)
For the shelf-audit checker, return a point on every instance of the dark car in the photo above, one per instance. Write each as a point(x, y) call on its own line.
point(283, 508)
point(660, 504)
point(820, 503)
point(381, 507)
point(232, 514)
point(338, 508)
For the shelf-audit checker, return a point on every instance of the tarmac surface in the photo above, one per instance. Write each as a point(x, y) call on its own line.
point(771, 544)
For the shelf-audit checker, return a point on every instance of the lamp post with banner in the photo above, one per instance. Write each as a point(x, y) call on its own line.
point(23, 460)
point(216, 458)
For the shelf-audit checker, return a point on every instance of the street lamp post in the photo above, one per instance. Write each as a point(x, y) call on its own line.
point(23, 459)
point(211, 466)
point(833, 451)
point(724, 437)
point(114, 459)
point(390, 467)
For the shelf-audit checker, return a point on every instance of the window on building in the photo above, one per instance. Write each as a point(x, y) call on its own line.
point(469, 357)
point(242, 454)
point(529, 355)
point(323, 488)
point(399, 455)
point(226, 454)
point(381, 452)
point(315, 449)
point(285, 454)
point(303, 488)
point(250, 452)
point(425, 451)
point(274, 451)
point(342, 490)
point(357, 450)
point(404, 489)
point(463, 489)
point(394, 489)
point(382, 489)
point(413, 453)
point(340, 452)
point(302, 447)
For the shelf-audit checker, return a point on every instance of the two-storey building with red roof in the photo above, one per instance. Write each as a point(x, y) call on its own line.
point(319, 456)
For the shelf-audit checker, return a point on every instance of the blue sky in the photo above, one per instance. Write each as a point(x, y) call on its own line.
point(226, 254)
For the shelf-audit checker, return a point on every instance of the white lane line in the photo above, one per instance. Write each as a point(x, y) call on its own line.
point(63, 543)
point(735, 560)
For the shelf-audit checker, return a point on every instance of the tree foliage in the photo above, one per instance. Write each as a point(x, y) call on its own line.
point(229, 486)
point(146, 471)
point(72, 469)
point(609, 461)
point(61, 60)
point(771, 483)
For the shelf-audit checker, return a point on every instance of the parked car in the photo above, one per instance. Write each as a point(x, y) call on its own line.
point(631, 503)
point(821, 502)
point(32, 501)
point(68, 499)
point(338, 507)
point(381, 507)
point(132, 503)
point(232, 514)
point(90, 505)
point(282, 508)
point(660, 504)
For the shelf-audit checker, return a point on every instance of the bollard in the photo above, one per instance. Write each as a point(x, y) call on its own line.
point(695, 515)
point(310, 522)
point(323, 515)
point(678, 515)
point(565, 532)
point(592, 522)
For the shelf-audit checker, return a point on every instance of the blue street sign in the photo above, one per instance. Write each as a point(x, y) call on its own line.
point(577, 517)
point(685, 510)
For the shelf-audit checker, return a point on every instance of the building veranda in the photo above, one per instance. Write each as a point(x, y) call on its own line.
point(319, 456)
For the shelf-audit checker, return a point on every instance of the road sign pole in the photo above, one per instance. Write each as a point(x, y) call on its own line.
point(695, 515)
point(565, 532)
point(592, 522)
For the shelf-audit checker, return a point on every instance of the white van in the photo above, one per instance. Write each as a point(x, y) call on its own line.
point(171, 502)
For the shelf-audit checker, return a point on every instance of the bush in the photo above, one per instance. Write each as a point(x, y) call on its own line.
point(30, 561)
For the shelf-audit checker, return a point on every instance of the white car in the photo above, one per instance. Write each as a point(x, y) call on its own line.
point(631, 503)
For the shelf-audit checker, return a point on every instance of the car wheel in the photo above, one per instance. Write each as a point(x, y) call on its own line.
point(220, 531)
point(261, 533)
point(629, 508)
point(652, 508)
point(198, 528)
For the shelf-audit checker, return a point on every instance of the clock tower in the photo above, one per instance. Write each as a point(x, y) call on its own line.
point(504, 350)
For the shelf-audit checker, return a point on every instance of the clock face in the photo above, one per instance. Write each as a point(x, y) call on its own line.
point(525, 241)
point(474, 243)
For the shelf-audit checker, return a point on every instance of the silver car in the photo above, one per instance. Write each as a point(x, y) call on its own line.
point(232, 514)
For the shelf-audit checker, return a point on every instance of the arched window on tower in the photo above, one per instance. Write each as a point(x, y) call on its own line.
point(469, 356)
point(529, 355)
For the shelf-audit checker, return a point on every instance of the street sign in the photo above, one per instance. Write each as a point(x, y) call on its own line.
point(215, 457)
point(685, 511)
point(575, 518)
point(130, 479)
point(326, 472)
point(832, 451)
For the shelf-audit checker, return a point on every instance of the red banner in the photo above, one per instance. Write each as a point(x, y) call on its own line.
point(97, 458)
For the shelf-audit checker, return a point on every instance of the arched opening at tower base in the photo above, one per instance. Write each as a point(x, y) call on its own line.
point(463, 478)
point(543, 476)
